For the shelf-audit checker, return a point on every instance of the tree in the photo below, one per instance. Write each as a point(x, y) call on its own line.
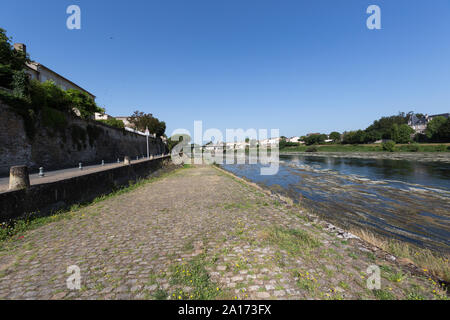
point(141, 121)
point(11, 61)
point(315, 139)
point(354, 137)
point(383, 127)
point(404, 134)
point(433, 128)
point(335, 136)
point(443, 134)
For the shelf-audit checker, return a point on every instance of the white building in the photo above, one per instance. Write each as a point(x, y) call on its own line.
point(293, 139)
point(41, 73)
point(419, 125)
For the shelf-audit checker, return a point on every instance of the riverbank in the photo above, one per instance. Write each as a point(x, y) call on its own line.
point(411, 156)
point(201, 233)
point(402, 148)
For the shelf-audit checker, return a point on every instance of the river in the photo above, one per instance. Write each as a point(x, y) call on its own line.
point(403, 199)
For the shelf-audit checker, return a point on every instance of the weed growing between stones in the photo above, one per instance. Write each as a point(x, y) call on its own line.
point(193, 280)
point(294, 241)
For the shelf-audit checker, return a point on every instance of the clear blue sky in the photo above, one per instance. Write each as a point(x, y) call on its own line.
point(300, 66)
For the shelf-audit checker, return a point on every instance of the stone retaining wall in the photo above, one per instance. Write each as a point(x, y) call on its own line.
point(54, 148)
point(50, 197)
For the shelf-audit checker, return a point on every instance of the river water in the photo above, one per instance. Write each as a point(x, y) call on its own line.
point(407, 200)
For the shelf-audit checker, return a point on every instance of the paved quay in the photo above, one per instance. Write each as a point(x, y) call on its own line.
point(197, 233)
point(56, 175)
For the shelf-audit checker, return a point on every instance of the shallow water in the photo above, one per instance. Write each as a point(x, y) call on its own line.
point(408, 200)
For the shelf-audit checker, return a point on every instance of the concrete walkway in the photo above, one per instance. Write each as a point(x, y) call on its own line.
point(197, 233)
point(57, 175)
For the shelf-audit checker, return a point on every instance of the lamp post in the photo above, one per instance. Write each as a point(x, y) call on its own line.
point(147, 133)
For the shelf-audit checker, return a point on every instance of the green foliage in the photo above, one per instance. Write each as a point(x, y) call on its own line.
point(393, 127)
point(335, 136)
point(438, 129)
point(315, 139)
point(141, 121)
point(11, 61)
point(193, 274)
point(20, 84)
point(83, 102)
point(388, 146)
point(433, 127)
point(401, 133)
point(383, 295)
point(113, 122)
point(48, 94)
point(354, 137)
point(384, 125)
point(283, 143)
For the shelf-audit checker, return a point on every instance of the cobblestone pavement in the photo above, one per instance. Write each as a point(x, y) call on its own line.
point(197, 233)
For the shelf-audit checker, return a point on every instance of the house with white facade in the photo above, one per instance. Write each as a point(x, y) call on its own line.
point(42, 73)
point(419, 125)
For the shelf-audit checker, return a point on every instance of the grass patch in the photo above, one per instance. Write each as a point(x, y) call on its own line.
point(306, 281)
point(427, 260)
point(396, 277)
point(193, 274)
point(160, 294)
point(294, 241)
point(383, 295)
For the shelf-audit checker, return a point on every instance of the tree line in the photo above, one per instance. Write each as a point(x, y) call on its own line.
point(394, 128)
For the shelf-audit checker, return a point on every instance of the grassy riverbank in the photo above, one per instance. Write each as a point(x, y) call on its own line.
point(428, 147)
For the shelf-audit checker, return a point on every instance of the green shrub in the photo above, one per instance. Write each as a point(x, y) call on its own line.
point(113, 123)
point(83, 103)
point(388, 146)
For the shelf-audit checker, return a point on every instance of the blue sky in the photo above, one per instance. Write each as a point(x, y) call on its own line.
point(300, 66)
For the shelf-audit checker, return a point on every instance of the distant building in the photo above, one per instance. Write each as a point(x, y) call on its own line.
point(41, 73)
point(102, 116)
point(293, 139)
point(419, 125)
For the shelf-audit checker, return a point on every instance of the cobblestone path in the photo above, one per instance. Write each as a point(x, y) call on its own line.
point(197, 233)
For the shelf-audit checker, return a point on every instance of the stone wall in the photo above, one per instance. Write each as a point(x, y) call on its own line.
point(78, 140)
point(46, 198)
